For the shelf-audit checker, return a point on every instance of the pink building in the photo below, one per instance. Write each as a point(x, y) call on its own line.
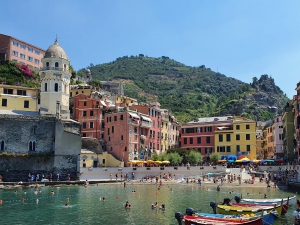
point(13, 49)
point(154, 112)
point(126, 135)
point(200, 134)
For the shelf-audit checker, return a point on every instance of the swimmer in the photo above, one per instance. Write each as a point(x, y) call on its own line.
point(65, 206)
point(68, 199)
point(127, 205)
point(35, 192)
point(103, 199)
point(40, 191)
point(37, 201)
point(52, 192)
point(229, 192)
point(207, 189)
point(248, 194)
point(218, 188)
point(16, 192)
point(265, 196)
point(162, 207)
point(133, 191)
point(24, 192)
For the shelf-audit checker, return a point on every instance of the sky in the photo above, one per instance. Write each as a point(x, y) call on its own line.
point(241, 39)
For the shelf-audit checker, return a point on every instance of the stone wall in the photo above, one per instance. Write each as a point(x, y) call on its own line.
point(18, 131)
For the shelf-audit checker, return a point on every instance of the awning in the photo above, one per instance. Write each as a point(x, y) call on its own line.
point(133, 115)
point(103, 103)
point(146, 118)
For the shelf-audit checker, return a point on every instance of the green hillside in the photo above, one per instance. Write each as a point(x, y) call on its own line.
point(189, 92)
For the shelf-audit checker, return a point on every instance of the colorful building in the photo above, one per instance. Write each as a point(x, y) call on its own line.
point(164, 130)
point(297, 123)
point(288, 130)
point(200, 134)
point(19, 98)
point(21, 52)
point(237, 138)
point(80, 89)
point(174, 128)
point(277, 129)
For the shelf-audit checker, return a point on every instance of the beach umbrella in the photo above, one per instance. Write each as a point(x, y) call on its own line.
point(150, 161)
point(158, 162)
point(165, 162)
point(231, 161)
point(231, 157)
point(270, 160)
point(222, 160)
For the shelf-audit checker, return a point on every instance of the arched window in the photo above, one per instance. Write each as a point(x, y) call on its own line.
point(32, 145)
point(65, 67)
point(56, 87)
point(45, 87)
point(47, 64)
point(56, 65)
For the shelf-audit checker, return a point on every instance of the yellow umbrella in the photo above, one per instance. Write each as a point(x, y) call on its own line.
point(165, 162)
point(150, 161)
point(158, 162)
point(222, 160)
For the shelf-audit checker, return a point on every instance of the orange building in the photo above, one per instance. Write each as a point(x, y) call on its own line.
point(89, 113)
point(19, 51)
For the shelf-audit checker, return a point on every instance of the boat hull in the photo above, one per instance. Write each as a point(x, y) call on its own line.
point(292, 200)
point(229, 210)
point(195, 220)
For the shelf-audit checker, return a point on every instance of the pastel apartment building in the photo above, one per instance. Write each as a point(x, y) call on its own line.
point(277, 128)
point(200, 134)
point(126, 134)
point(21, 52)
point(19, 98)
point(288, 130)
point(296, 153)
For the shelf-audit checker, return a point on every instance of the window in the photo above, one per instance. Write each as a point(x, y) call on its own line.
point(108, 131)
point(247, 126)
point(113, 129)
point(22, 56)
point(21, 92)
point(199, 150)
point(237, 137)
point(84, 103)
point(227, 137)
point(56, 87)
point(37, 52)
point(56, 64)
point(199, 129)
point(207, 139)
point(31, 145)
point(228, 149)
point(23, 46)
point(1, 145)
point(91, 113)
point(208, 129)
point(221, 149)
point(247, 136)
point(248, 148)
point(15, 43)
point(115, 118)
point(185, 141)
point(15, 53)
point(45, 87)
point(30, 58)
point(8, 91)
point(4, 102)
point(121, 117)
point(26, 104)
point(191, 140)
point(238, 148)
point(84, 125)
point(121, 137)
point(84, 113)
point(91, 124)
point(198, 140)
point(30, 49)
point(36, 61)
point(47, 64)
point(237, 127)
point(83, 134)
point(220, 137)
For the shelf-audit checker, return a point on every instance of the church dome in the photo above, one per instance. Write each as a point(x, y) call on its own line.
point(55, 51)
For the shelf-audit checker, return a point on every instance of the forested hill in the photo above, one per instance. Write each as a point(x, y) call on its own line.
point(189, 92)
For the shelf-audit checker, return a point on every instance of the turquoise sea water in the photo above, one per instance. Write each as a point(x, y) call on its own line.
point(86, 207)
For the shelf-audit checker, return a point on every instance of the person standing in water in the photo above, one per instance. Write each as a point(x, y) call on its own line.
point(296, 214)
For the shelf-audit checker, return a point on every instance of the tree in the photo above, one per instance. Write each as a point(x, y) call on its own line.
point(214, 157)
point(163, 157)
point(174, 158)
point(194, 157)
point(154, 157)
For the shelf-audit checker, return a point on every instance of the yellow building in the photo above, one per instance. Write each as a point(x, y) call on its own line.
point(265, 144)
point(239, 138)
point(18, 98)
point(92, 159)
point(164, 131)
point(259, 147)
point(80, 89)
point(126, 100)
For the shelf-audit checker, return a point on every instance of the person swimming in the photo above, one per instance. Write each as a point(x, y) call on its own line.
point(52, 192)
point(66, 206)
point(265, 195)
point(103, 199)
point(127, 205)
point(162, 207)
point(218, 188)
point(133, 191)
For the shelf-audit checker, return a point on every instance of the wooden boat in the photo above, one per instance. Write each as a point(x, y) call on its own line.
point(284, 210)
point(195, 220)
point(229, 210)
point(292, 200)
point(268, 218)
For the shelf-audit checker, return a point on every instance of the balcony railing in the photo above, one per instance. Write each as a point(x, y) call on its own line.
point(145, 124)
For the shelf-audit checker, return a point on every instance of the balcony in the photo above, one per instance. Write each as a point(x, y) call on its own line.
point(224, 129)
point(54, 68)
point(145, 124)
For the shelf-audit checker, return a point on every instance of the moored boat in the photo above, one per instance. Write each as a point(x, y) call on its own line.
point(291, 201)
point(284, 210)
point(226, 209)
